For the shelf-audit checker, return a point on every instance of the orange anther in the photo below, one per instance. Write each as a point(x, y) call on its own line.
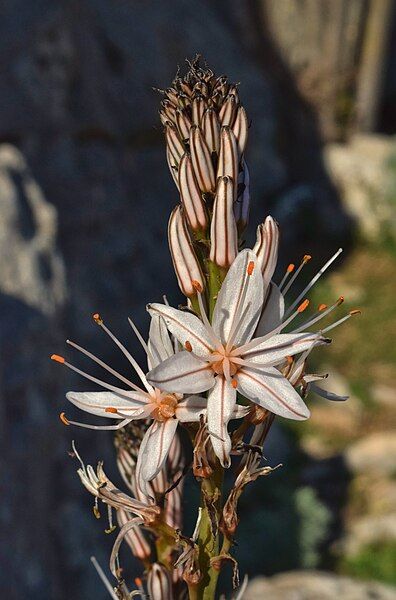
point(340, 300)
point(58, 358)
point(234, 384)
point(356, 311)
point(97, 318)
point(303, 306)
point(188, 346)
point(322, 307)
point(197, 286)
point(63, 418)
point(290, 268)
point(306, 258)
point(111, 409)
point(138, 582)
point(289, 359)
point(250, 268)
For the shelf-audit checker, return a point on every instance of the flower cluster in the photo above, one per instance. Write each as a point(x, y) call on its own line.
point(233, 352)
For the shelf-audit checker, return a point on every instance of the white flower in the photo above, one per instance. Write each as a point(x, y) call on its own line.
point(166, 408)
point(223, 358)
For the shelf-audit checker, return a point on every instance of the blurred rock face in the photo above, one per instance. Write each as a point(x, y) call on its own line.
point(84, 201)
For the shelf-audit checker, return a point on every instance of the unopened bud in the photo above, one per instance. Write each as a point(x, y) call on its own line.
point(240, 129)
point(228, 111)
point(211, 130)
point(266, 248)
point(173, 168)
point(185, 262)
point(183, 124)
point(201, 160)
point(228, 156)
point(223, 230)
point(198, 108)
point(159, 583)
point(174, 143)
point(191, 196)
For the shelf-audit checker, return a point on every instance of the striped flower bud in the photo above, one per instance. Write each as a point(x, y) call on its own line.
point(228, 156)
point(183, 123)
point(198, 108)
point(242, 204)
point(227, 112)
point(135, 537)
point(185, 262)
point(240, 129)
point(159, 583)
point(211, 130)
point(193, 204)
point(173, 168)
point(266, 248)
point(223, 230)
point(201, 160)
point(174, 143)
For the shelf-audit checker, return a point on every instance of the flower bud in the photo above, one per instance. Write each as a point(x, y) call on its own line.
point(223, 230)
point(201, 160)
point(198, 109)
point(228, 111)
point(183, 124)
point(266, 248)
point(185, 262)
point(172, 167)
point(174, 144)
point(228, 156)
point(240, 129)
point(193, 204)
point(211, 130)
point(135, 537)
point(159, 583)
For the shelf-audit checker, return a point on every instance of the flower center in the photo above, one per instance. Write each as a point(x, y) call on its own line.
point(166, 408)
point(222, 363)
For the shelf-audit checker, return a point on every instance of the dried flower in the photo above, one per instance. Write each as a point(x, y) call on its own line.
point(159, 583)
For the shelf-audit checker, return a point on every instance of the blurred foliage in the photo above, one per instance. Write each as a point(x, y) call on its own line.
point(376, 561)
point(314, 519)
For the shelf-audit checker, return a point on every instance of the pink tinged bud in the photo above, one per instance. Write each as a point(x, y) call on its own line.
point(172, 167)
point(201, 160)
point(228, 156)
point(173, 507)
point(223, 230)
point(183, 124)
point(174, 143)
point(228, 111)
point(185, 262)
point(240, 129)
point(135, 537)
point(191, 196)
point(159, 583)
point(266, 248)
point(198, 108)
point(211, 130)
point(242, 204)
point(169, 110)
point(164, 119)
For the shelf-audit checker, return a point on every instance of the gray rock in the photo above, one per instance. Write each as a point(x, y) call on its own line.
point(375, 453)
point(311, 585)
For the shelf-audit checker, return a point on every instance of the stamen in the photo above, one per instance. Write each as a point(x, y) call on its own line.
point(250, 268)
point(138, 335)
point(63, 418)
point(313, 281)
point(104, 365)
point(188, 346)
point(125, 352)
point(58, 358)
point(306, 258)
point(197, 286)
point(323, 311)
point(234, 383)
point(111, 409)
point(206, 321)
point(289, 270)
point(342, 320)
point(303, 306)
point(119, 425)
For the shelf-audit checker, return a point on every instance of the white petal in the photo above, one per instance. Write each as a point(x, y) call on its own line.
point(159, 343)
point(240, 300)
point(182, 373)
point(272, 391)
point(96, 403)
point(185, 327)
point(153, 451)
point(273, 350)
point(191, 408)
point(273, 311)
point(221, 404)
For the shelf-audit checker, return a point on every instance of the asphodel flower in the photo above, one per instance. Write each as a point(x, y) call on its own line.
point(222, 356)
point(166, 409)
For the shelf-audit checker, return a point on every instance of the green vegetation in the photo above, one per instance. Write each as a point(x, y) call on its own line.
point(373, 562)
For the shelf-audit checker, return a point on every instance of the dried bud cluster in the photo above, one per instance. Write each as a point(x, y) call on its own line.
point(206, 130)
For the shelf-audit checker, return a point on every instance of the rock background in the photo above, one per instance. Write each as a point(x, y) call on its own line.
point(84, 200)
